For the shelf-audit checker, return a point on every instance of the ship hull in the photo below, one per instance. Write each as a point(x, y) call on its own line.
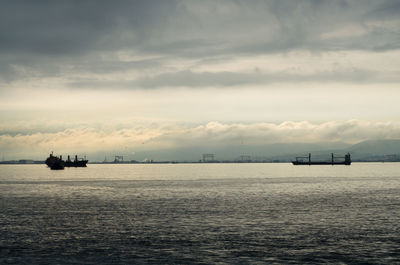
point(80, 163)
point(57, 166)
point(298, 163)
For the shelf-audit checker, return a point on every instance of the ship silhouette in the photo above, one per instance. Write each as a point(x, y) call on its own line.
point(299, 160)
point(55, 162)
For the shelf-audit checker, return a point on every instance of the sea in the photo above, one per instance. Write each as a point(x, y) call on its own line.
point(255, 213)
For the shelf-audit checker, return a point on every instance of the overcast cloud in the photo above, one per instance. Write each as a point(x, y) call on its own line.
point(69, 38)
point(70, 67)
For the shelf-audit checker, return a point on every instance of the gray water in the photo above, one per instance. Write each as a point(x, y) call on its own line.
point(201, 214)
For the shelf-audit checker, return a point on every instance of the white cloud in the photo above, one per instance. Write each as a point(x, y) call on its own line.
point(212, 134)
point(348, 31)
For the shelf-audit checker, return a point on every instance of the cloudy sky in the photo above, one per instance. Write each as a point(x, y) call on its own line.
point(108, 77)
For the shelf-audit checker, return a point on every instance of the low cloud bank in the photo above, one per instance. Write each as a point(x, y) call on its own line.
point(232, 79)
point(153, 138)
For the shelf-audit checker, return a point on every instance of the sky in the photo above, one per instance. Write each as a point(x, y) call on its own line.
point(125, 77)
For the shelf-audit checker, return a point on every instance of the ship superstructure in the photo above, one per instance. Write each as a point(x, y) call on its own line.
point(76, 162)
point(55, 162)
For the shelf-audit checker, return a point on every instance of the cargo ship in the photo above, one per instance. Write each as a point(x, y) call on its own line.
point(55, 162)
point(334, 160)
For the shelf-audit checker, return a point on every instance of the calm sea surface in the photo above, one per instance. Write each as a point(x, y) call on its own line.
point(200, 213)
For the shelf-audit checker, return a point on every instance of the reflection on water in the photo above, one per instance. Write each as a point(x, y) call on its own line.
point(200, 213)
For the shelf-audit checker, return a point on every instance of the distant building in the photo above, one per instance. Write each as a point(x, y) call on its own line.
point(119, 159)
point(208, 158)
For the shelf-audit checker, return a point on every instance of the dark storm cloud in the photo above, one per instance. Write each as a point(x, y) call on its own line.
point(73, 27)
point(42, 38)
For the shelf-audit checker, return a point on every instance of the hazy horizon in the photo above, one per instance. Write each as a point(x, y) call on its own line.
point(130, 77)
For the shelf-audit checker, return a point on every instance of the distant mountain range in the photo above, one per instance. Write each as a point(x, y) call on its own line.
point(366, 150)
point(376, 147)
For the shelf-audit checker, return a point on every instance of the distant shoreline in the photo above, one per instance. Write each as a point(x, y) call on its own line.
point(18, 162)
